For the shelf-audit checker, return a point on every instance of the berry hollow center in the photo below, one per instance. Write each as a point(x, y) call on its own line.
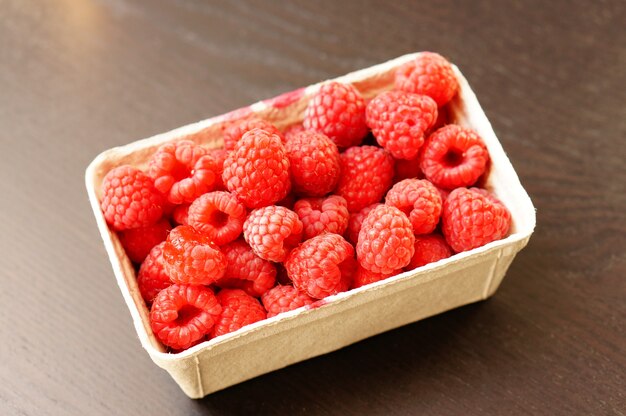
point(453, 157)
point(181, 172)
point(186, 314)
point(219, 218)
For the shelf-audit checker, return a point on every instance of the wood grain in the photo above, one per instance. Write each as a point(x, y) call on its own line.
point(80, 76)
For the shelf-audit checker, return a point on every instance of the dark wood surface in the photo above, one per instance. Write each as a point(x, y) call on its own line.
point(80, 76)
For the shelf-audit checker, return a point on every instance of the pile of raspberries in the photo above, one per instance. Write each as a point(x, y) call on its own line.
point(275, 221)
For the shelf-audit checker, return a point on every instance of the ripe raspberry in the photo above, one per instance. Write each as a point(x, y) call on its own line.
point(152, 277)
point(386, 240)
point(183, 314)
point(323, 215)
point(129, 199)
point(419, 200)
point(246, 270)
point(218, 215)
point(322, 266)
point(454, 157)
point(429, 74)
point(284, 298)
point(429, 249)
point(272, 232)
point(238, 310)
point(192, 258)
point(293, 131)
point(138, 242)
point(183, 171)
point(338, 111)
point(366, 174)
point(219, 155)
point(315, 163)
point(472, 218)
point(364, 277)
point(407, 169)
point(355, 222)
point(180, 215)
point(257, 171)
point(399, 120)
point(234, 132)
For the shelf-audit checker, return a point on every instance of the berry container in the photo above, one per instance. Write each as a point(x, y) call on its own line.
point(338, 320)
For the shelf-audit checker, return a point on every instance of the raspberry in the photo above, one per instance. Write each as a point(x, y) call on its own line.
point(407, 169)
point(129, 199)
point(454, 157)
point(284, 298)
point(192, 258)
point(238, 310)
point(152, 277)
point(183, 314)
point(429, 74)
point(219, 155)
point(257, 171)
point(429, 249)
point(138, 242)
point(386, 240)
point(355, 222)
point(180, 215)
point(338, 111)
point(272, 232)
point(366, 174)
point(292, 131)
point(315, 163)
point(218, 215)
point(364, 277)
point(246, 270)
point(320, 215)
point(399, 119)
point(322, 266)
point(472, 218)
point(183, 171)
point(419, 200)
point(234, 132)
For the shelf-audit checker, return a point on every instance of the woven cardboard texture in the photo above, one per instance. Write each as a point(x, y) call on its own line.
point(346, 317)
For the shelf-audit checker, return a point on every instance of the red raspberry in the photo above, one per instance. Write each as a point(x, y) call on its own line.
point(183, 314)
point(366, 175)
point(180, 215)
point(219, 155)
point(386, 240)
point(429, 74)
point(234, 132)
point(338, 111)
point(129, 199)
point(315, 164)
point(419, 200)
point(152, 277)
point(257, 171)
point(218, 215)
point(138, 242)
point(429, 249)
point(284, 298)
point(192, 258)
point(183, 171)
point(322, 266)
point(399, 120)
point(293, 131)
point(454, 157)
point(364, 277)
point(472, 218)
point(355, 222)
point(407, 169)
point(272, 232)
point(246, 270)
point(323, 215)
point(238, 310)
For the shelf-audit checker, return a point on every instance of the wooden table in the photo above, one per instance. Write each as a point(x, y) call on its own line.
point(80, 76)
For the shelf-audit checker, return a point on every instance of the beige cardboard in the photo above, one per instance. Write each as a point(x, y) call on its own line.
point(346, 317)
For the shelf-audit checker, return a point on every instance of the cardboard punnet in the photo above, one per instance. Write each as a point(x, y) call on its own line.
point(341, 319)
